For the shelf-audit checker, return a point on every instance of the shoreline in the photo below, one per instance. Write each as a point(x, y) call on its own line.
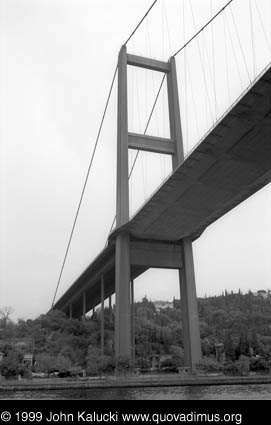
point(131, 382)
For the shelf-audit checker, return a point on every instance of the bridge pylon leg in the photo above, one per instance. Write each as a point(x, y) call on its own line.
point(132, 324)
point(189, 306)
point(122, 260)
point(110, 309)
point(102, 316)
point(123, 306)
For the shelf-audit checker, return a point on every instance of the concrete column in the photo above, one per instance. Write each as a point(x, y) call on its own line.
point(132, 323)
point(102, 316)
point(122, 315)
point(122, 142)
point(174, 114)
point(110, 309)
point(84, 306)
point(123, 307)
point(192, 344)
point(189, 305)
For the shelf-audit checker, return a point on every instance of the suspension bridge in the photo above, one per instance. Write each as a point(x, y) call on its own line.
point(228, 164)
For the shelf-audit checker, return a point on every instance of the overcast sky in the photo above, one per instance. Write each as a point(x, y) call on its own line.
point(57, 59)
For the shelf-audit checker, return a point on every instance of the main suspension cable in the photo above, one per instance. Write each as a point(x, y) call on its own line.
point(140, 22)
point(202, 28)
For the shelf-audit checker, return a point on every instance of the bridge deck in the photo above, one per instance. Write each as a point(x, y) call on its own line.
point(231, 163)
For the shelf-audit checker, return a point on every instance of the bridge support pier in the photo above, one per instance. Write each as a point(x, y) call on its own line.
point(189, 306)
point(102, 316)
point(122, 260)
point(110, 309)
point(123, 306)
point(132, 323)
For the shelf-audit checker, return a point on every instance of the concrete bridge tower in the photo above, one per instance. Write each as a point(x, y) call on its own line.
point(161, 254)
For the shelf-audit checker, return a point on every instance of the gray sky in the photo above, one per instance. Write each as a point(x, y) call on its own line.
point(57, 60)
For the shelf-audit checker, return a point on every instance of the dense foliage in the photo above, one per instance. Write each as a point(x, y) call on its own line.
point(239, 323)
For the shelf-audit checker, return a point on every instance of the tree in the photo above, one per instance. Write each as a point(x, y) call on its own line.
point(63, 364)
point(230, 368)
point(228, 347)
point(209, 365)
point(123, 365)
point(45, 363)
point(243, 346)
point(11, 365)
point(5, 313)
point(93, 361)
point(108, 364)
point(169, 364)
point(177, 355)
point(55, 320)
point(243, 365)
point(254, 341)
point(219, 317)
point(260, 365)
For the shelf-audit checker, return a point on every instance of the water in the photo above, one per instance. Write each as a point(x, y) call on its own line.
point(206, 392)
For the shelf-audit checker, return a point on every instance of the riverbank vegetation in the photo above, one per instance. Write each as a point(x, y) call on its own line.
point(235, 335)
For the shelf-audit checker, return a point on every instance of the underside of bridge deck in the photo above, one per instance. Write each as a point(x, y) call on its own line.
point(144, 254)
point(231, 163)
